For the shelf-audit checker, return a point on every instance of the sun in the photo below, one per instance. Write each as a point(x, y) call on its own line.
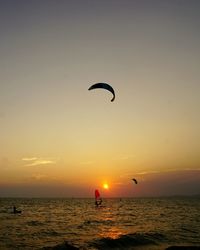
point(105, 186)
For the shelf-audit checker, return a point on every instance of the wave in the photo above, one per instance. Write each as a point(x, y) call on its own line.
point(123, 242)
point(183, 248)
point(34, 223)
point(189, 230)
point(129, 240)
point(63, 246)
point(94, 222)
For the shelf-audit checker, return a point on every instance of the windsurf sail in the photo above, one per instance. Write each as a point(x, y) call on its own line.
point(98, 199)
point(97, 194)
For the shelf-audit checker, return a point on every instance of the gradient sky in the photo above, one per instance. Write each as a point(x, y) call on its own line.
point(59, 139)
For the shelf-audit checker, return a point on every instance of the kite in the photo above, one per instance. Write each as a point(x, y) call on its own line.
point(102, 85)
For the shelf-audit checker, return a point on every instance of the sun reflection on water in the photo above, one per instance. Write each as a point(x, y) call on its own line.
point(109, 229)
point(112, 232)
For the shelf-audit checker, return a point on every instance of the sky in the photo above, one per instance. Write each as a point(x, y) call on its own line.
point(57, 139)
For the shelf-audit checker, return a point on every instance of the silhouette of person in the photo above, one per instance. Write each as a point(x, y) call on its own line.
point(98, 202)
point(15, 211)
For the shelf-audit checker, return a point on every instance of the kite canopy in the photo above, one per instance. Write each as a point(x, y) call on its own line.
point(135, 181)
point(102, 85)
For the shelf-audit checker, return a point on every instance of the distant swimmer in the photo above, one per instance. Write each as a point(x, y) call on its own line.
point(15, 211)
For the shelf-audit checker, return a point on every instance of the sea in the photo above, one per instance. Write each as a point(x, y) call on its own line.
point(120, 223)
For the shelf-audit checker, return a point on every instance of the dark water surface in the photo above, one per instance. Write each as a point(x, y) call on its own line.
point(136, 223)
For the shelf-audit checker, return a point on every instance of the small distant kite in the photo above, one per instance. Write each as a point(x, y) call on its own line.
point(135, 181)
point(102, 85)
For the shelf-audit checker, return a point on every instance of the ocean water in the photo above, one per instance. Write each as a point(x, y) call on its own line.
point(132, 223)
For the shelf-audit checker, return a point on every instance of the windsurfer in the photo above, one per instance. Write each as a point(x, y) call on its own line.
point(98, 199)
point(98, 202)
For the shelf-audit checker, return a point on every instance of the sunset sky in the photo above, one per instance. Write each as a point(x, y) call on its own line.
point(59, 139)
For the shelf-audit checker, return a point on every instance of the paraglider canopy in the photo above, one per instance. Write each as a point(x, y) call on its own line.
point(102, 85)
point(135, 181)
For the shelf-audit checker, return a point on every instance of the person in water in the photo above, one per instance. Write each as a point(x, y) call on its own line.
point(98, 202)
point(15, 211)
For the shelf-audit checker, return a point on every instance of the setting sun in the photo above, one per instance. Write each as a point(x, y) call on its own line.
point(105, 186)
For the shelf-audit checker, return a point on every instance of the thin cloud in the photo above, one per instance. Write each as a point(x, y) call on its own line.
point(34, 161)
point(127, 175)
point(149, 172)
point(40, 162)
point(38, 176)
point(167, 171)
point(29, 159)
point(152, 172)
